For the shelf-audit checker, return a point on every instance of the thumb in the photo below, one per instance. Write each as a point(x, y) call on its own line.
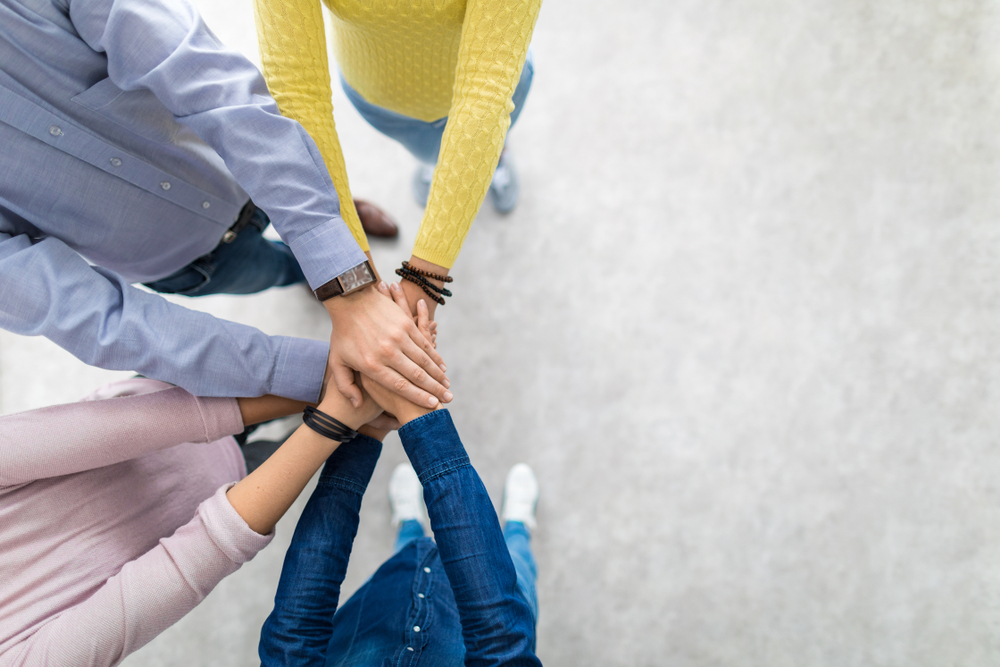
point(343, 377)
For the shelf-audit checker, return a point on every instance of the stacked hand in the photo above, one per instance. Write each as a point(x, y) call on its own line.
point(376, 337)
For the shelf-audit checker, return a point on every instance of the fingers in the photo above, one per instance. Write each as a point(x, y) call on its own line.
point(423, 316)
point(416, 366)
point(343, 377)
point(400, 298)
point(403, 387)
point(425, 344)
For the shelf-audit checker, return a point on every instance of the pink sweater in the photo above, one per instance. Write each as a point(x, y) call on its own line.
point(114, 521)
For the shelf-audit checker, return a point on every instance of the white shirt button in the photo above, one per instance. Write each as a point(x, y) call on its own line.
point(420, 595)
point(206, 204)
point(416, 628)
point(165, 185)
point(427, 570)
point(55, 131)
point(116, 162)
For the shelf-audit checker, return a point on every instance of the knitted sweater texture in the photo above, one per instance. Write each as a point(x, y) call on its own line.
point(426, 59)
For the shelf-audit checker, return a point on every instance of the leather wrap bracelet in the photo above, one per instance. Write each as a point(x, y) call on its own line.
point(327, 426)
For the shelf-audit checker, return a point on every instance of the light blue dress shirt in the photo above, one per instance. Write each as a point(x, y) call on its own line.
point(130, 138)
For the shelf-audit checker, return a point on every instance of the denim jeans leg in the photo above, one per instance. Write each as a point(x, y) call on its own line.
point(409, 530)
point(518, 540)
point(423, 138)
point(248, 265)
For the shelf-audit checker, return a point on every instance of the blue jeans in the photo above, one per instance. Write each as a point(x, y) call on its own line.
point(248, 265)
point(448, 604)
point(422, 138)
point(518, 539)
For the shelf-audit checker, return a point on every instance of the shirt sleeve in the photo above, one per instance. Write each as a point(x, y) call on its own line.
point(46, 289)
point(293, 52)
point(164, 46)
point(149, 594)
point(65, 439)
point(494, 46)
point(497, 626)
point(298, 630)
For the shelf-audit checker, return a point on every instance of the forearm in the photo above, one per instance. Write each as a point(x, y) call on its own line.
point(298, 629)
point(263, 496)
point(293, 53)
point(497, 625)
point(260, 409)
point(164, 46)
point(148, 595)
point(46, 289)
point(81, 436)
point(494, 46)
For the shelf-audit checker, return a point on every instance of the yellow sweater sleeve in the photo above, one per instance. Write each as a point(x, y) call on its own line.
point(293, 51)
point(494, 45)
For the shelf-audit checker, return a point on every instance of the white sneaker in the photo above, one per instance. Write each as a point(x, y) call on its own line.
point(405, 495)
point(520, 495)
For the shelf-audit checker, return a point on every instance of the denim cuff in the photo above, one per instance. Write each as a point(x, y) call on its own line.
point(351, 465)
point(433, 445)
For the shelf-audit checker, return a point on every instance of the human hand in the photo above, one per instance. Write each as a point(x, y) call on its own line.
point(424, 323)
point(342, 409)
point(372, 335)
point(414, 292)
point(403, 410)
point(379, 427)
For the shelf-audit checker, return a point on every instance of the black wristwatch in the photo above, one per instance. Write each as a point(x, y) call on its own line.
point(348, 282)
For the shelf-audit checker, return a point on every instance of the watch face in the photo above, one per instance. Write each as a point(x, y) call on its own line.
point(356, 278)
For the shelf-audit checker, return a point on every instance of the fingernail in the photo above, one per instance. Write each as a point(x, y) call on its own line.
point(382, 285)
point(355, 402)
point(395, 287)
point(432, 402)
point(448, 397)
point(446, 383)
point(444, 369)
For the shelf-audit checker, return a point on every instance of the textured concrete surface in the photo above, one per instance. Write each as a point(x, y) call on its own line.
point(743, 325)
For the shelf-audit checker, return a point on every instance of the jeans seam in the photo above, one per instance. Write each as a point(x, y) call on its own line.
point(443, 468)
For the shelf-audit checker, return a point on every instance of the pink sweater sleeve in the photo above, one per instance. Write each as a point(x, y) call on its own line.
point(64, 439)
point(148, 595)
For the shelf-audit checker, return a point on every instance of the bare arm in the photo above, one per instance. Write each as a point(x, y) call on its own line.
point(265, 495)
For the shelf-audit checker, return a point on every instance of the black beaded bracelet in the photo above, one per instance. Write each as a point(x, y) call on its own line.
point(423, 284)
point(327, 426)
point(422, 281)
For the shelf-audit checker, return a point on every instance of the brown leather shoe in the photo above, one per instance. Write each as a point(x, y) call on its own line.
point(374, 220)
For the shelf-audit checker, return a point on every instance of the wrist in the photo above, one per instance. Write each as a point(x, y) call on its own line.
point(409, 412)
point(341, 304)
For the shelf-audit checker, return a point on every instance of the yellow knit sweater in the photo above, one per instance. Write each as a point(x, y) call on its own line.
point(421, 58)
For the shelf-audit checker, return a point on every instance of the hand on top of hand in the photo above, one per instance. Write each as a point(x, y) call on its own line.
point(372, 335)
point(340, 407)
point(422, 319)
point(394, 404)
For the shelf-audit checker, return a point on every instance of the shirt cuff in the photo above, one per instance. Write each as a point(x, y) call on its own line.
point(228, 530)
point(326, 251)
point(433, 446)
point(299, 368)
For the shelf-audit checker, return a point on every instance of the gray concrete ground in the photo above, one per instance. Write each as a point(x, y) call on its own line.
point(743, 326)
